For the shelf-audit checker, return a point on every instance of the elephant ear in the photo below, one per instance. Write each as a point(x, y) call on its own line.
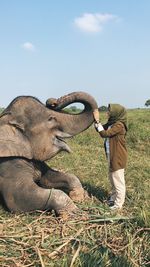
point(13, 142)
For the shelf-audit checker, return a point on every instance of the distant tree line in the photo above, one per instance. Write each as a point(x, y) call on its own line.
point(103, 108)
point(74, 109)
point(147, 103)
point(1, 109)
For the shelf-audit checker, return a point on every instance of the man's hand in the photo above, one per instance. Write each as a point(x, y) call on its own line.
point(96, 115)
point(98, 127)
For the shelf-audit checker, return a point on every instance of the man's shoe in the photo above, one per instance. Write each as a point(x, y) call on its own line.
point(114, 207)
point(110, 203)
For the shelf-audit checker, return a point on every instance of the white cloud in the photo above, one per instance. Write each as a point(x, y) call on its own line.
point(28, 46)
point(93, 23)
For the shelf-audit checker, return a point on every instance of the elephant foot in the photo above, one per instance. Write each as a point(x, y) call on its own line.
point(61, 203)
point(78, 194)
point(76, 215)
point(67, 213)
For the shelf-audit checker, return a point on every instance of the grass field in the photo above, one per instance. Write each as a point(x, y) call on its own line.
point(40, 239)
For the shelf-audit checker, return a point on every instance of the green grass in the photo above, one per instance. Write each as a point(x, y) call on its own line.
point(39, 239)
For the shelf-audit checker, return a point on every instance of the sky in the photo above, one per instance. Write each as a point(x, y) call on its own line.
point(49, 48)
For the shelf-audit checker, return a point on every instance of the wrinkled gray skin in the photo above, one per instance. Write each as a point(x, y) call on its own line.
point(30, 134)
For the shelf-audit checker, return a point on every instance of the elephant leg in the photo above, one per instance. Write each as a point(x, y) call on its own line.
point(63, 204)
point(69, 182)
point(23, 198)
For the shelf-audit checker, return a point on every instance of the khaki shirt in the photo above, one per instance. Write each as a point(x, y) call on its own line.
point(117, 145)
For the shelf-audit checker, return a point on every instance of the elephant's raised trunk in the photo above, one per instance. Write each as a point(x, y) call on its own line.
point(74, 123)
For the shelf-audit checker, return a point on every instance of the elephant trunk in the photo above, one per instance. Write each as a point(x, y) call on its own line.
point(74, 123)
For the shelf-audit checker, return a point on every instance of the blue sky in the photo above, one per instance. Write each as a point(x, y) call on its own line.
point(49, 48)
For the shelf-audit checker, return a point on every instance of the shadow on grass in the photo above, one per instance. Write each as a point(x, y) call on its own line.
point(2, 203)
point(103, 257)
point(98, 192)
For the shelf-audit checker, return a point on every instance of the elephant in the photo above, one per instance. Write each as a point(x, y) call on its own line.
point(32, 133)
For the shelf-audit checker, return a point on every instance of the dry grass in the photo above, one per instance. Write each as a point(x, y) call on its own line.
point(40, 239)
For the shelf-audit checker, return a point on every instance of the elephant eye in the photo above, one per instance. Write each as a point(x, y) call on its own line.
point(51, 118)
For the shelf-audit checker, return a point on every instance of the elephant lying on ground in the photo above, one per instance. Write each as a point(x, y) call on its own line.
point(30, 134)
